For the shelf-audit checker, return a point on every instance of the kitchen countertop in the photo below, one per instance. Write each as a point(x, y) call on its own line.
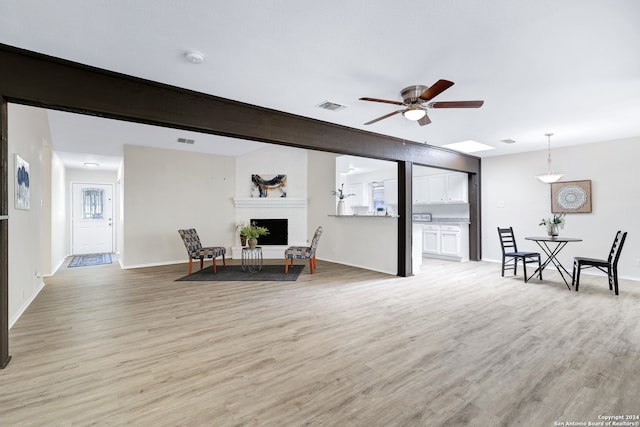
point(437, 221)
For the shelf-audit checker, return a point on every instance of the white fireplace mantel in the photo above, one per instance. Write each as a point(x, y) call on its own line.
point(273, 202)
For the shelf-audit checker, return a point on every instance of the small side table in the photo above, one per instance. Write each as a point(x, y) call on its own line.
point(252, 259)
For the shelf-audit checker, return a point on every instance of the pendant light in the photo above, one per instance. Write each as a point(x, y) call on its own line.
point(549, 177)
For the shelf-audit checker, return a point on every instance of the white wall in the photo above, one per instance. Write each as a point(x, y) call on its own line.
point(273, 160)
point(29, 136)
point(166, 190)
point(361, 242)
point(512, 196)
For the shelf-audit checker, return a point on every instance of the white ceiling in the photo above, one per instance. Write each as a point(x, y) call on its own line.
point(569, 67)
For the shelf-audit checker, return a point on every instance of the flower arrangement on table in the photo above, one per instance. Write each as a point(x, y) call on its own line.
point(552, 224)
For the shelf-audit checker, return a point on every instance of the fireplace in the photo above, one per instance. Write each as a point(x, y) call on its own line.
point(278, 231)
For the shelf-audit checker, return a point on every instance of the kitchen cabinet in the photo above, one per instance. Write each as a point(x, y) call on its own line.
point(360, 194)
point(421, 190)
point(448, 241)
point(448, 188)
point(391, 192)
point(431, 239)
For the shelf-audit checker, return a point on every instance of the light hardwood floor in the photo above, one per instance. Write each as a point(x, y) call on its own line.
point(454, 345)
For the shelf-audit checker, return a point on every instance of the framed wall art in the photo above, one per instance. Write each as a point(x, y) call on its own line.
point(22, 183)
point(268, 185)
point(571, 197)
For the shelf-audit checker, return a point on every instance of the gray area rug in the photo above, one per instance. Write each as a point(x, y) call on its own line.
point(235, 273)
point(90, 259)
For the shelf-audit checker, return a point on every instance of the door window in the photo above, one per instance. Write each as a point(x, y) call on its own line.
point(92, 204)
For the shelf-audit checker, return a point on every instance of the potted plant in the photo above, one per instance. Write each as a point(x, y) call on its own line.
point(251, 232)
point(552, 224)
point(341, 196)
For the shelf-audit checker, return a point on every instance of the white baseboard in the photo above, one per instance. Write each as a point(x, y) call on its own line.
point(25, 305)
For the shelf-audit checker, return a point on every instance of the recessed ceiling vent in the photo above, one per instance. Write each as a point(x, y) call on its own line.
point(332, 106)
point(186, 141)
point(507, 141)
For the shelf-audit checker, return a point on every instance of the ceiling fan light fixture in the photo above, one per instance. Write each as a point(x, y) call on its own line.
point(549, 177)
point(414, 113)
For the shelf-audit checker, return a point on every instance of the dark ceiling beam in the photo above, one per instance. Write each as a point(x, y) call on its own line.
point(34, 79)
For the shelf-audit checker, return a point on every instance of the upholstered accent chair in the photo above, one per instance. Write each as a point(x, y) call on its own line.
point(608, 266)
point(303, 252)
point(511, 254)
point(196, 251)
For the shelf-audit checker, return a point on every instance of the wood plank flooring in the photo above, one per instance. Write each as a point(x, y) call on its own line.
point(454, 345)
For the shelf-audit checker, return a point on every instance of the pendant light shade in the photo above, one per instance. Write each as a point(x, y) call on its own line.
point(549, 177)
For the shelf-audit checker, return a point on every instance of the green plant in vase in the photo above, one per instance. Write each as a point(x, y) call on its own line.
point(251, 232)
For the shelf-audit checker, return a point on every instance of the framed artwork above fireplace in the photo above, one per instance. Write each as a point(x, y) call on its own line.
point(268, 185)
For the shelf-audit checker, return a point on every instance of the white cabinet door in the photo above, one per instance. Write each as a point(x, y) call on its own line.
point(391, 192)
point(420, 190)
point(356, 189)
point(450, 240)
point(457, 188)
point(431, 239)
point(438, 188)
point(448, 188)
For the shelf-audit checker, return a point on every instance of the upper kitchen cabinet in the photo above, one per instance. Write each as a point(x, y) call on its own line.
point(421, 190)
point(391, 192)
point(360, 194)
point(448, 188)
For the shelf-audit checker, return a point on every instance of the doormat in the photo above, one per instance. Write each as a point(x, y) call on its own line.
point(90, 259)
point(234, 273)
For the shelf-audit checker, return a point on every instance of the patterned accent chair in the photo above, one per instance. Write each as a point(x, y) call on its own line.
point(303, 252)
point(196, 251)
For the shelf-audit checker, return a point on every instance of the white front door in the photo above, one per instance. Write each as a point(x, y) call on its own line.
point(92, 218)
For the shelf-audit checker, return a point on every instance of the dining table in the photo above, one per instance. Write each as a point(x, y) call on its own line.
point(551, 246)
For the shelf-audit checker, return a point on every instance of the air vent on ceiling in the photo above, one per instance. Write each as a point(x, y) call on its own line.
point(507, 141)
point(186, 141)
point(332, 106)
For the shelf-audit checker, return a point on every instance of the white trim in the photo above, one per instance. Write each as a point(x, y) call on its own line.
point(24, 306)
point(276, 202)
point(3, 217)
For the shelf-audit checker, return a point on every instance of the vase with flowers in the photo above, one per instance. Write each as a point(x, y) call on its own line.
point(251, 232)
point(339, 193)
point(553, 224)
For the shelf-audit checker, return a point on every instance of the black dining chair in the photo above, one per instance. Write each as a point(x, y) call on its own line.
point(511, 255)
point(609, 265)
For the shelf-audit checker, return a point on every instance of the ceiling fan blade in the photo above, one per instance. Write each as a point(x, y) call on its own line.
point(382, 100)
point(384, 117)
point(456, 104)
point(435, 90)
point(425, 120)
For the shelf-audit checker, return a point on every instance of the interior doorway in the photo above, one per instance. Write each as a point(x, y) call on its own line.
point(92, 218)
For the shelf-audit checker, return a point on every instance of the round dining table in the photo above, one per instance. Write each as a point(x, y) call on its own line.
point(551, 246)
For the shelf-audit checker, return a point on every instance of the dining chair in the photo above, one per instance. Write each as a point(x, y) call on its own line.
point(196, 251)
point(609, 265)
point(303, 252)
point(511, 255)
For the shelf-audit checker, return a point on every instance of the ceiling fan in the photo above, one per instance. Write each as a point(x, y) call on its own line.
point(415, 99)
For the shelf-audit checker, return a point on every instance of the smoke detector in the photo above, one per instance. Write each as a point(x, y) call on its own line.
point(194, 57)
